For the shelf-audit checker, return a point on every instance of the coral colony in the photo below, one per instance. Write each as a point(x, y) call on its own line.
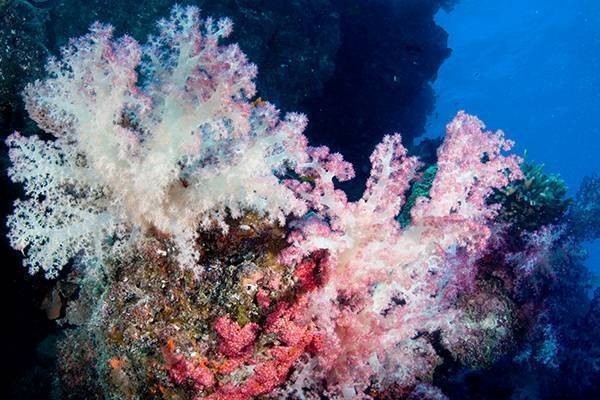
point(203, 250)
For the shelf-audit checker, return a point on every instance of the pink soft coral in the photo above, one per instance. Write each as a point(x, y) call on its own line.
point(387, 286)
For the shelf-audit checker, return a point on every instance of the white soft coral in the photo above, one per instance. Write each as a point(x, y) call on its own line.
point(179, 151)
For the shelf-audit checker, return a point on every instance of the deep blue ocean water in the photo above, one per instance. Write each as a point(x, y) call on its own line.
point(530, 68)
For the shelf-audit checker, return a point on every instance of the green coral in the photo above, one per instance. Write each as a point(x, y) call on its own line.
point(419, 188)
point(537, 200)
point(527, 204)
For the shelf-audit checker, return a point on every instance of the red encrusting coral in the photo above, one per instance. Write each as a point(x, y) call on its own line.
point(235, 341)
point(187, 371)
point(277, 361)
point(238, 346)
point(312, 271)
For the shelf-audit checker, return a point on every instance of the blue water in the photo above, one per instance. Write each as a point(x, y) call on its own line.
point(530, 68)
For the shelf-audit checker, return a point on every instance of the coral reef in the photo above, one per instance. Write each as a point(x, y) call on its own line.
point(202, 249)
point(295, 43)
point(327, 309)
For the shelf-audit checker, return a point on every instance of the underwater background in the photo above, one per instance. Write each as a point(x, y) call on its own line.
point(359, 70)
